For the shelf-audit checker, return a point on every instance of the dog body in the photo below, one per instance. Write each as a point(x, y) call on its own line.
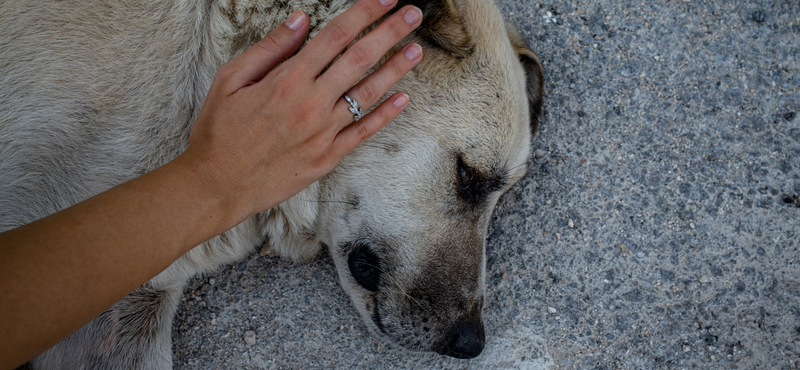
point(93, 94)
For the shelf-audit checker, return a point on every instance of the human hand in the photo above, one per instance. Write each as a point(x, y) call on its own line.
point(269, 127)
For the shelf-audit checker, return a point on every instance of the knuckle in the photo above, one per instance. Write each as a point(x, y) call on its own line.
point(226, 71)
point(312, 112)
point(398, 29)
point(386, 115)
point(307, 115)
point(338, 33)
point(226, 76)
point(383, 115)
point(361, 56)
point(283, 92)
point(363, 132)
point(324, 164)
point(321, 149)
point(368, 94)
point(271, 43)
point(397, 69)
point(286, 85)
point(367, 12)
point(293, 77)
point(319, 113)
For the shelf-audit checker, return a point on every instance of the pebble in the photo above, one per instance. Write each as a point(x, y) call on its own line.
point(551, 310)
point(737, 353)
point(570, 223)
point(759, 16)
point(250, 338)
point(703, 279)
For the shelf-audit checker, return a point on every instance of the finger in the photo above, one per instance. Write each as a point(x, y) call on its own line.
point(254, 63)
point(340, 32)
point(370, 89)
point(359, 131)
point(367, 51)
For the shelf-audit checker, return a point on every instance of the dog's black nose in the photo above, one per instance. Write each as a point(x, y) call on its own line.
point(465, 340)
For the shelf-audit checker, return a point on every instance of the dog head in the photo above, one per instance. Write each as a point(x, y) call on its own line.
point(405, 216)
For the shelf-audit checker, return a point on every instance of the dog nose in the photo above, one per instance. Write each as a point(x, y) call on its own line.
point(465, 340)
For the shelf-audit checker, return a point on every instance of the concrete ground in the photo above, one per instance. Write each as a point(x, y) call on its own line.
point(658, 227)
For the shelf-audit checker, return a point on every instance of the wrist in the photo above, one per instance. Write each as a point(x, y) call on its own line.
point(214, 205)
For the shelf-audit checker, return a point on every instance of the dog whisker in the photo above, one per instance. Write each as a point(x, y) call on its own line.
point(403, 291)
point(329, 201)
point(396, 285)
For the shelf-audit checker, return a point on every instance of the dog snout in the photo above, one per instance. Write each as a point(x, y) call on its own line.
point(465, 340)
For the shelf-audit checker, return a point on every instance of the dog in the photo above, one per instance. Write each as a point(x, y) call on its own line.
point(93, 94)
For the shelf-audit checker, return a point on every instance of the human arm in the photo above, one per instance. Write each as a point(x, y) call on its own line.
point(263, 134)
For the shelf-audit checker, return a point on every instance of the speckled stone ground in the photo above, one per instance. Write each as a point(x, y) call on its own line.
point(658, 227)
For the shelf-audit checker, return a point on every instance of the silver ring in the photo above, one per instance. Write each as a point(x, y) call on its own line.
point(354, 108)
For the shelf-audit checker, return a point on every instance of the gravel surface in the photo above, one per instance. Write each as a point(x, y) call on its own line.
point(658, 227)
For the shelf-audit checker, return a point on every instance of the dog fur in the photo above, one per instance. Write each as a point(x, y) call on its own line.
point(93, 94)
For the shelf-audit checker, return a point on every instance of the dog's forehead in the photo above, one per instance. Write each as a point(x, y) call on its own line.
point(485, 109)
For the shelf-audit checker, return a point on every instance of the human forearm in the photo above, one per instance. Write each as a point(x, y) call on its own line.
point(109, 244)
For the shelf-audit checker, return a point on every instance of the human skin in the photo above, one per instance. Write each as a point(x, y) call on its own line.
point(269, 127)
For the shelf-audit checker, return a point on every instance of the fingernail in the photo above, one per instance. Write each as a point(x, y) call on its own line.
point(412, 15)
point(295, 20)
point(413, 51)
point(400, 101)
point(387, 2)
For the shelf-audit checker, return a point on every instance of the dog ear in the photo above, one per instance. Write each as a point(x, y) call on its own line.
point(534, 75)
point(441, 26)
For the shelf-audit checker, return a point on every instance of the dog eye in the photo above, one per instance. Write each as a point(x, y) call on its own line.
point(365, 267)
point(466, 175)
point(472, 185)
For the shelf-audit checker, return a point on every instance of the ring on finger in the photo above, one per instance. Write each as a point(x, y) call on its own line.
point(354, 108)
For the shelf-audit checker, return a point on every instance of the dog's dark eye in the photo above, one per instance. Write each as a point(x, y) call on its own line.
point(466, 176)
point(365, 268)
point(474, 186)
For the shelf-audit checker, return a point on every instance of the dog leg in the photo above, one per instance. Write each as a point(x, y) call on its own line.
point(133, 334)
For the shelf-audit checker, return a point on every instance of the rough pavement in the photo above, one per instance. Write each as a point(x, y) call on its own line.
point(658, 227)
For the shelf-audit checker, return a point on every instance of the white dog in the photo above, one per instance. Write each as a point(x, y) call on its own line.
point(96, 93)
